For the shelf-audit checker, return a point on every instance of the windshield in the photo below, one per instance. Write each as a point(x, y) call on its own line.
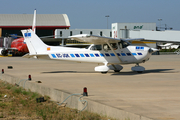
point(87, 47)
point(96, 47)
point(123, 44)
point(113, 45)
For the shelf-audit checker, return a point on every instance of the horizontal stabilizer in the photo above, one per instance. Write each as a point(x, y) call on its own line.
point(28, 56)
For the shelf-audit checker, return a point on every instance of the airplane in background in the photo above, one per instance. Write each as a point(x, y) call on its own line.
point(168, 46)
point(108, 51)
point(5, 43)
point(17, 46)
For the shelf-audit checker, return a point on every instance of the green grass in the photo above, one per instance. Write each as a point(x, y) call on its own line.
point(9, 87)
point(3, 105)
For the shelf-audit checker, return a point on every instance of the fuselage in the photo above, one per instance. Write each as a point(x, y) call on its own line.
point(127, 54)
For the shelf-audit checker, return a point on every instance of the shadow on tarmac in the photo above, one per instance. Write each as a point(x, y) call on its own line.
point(146, 72)
point(120, 73)
point(71, 72)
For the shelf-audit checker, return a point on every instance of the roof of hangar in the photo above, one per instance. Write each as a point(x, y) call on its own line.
point(42, 20)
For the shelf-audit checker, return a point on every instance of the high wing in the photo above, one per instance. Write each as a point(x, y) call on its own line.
point(98, 39)
point(161, 40)
point(167, 36)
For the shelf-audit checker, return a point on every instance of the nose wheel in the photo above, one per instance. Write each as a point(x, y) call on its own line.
point(137, 68)
point(103, 72)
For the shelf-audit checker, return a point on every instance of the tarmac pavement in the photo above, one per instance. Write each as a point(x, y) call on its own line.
point(154, 93)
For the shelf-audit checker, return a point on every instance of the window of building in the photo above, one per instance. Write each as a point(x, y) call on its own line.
point(91, 32)
point(110, 33)
point(101, 33)
point(60, 33)
point(70, 33)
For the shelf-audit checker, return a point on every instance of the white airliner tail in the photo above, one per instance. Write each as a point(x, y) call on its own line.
point(34, 22)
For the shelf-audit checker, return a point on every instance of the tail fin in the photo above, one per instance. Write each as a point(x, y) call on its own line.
point(34, 43)
point(34, 22)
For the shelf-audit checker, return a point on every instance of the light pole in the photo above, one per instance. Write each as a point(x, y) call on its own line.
point(160, 23)
point(107, 20)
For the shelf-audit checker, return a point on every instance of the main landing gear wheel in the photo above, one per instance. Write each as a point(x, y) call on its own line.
point(116, 70)
point(4, 52)
point(138, 69)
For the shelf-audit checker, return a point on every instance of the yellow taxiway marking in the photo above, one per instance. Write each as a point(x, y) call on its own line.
point(3, 56)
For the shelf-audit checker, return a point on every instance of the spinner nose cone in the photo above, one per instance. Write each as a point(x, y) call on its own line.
point(152, 50)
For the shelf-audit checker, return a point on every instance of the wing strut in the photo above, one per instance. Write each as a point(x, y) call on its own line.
point(114, 52)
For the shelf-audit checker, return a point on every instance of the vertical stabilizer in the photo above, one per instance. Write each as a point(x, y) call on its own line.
point(34, 43)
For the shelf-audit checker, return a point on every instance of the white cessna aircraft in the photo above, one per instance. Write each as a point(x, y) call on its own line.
point(108, 51)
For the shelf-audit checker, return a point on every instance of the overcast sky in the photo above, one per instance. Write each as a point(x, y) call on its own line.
point(90, 14)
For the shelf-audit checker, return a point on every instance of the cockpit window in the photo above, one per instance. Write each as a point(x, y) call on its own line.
point(113, 45)
point(123, 44)
point(96, 47)
point(106, 47)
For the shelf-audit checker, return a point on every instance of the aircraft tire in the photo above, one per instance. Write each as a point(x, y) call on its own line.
point(103, 72)
point(4, 52)
point(139, 71)
point(116, 70)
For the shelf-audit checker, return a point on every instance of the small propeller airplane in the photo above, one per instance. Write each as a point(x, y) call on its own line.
point(104, 50)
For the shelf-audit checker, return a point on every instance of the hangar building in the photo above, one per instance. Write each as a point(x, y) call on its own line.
point(45, 23)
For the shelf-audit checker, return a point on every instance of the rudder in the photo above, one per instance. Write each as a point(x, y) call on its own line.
point(34, 43)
